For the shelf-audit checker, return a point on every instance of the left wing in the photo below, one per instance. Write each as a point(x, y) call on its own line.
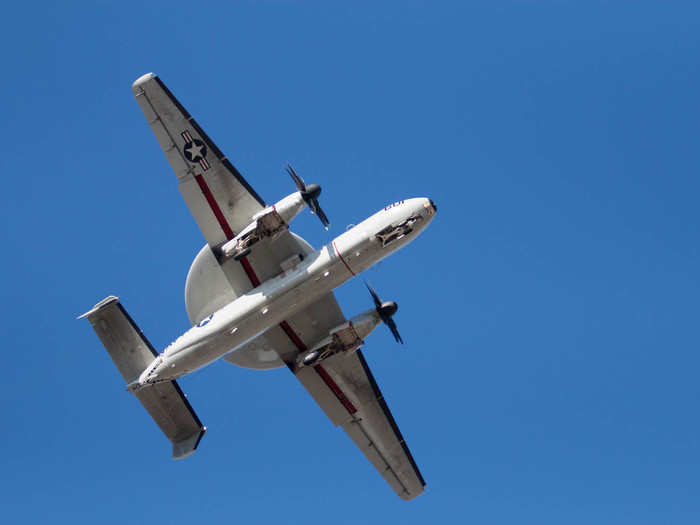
point(345, 388)
point(220, 199)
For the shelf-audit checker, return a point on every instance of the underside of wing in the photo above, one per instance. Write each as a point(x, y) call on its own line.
point(343, 385)
point(220, 199)
point(281, 344)
point(344, 388)
point(373, 427)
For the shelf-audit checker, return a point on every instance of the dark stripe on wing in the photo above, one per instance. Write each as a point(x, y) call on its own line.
point(137, 329)
point(216, 210)
point(387, 413)
point(183, 397)
point(335, 389)
point(250, 272)
point(210, 144)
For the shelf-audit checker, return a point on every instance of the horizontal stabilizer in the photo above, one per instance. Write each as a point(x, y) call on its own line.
point(169, 408)
point(132, 353)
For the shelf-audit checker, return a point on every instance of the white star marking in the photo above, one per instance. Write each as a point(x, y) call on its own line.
point(194, 150)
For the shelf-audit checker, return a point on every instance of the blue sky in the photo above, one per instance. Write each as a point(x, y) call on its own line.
point(550, 310)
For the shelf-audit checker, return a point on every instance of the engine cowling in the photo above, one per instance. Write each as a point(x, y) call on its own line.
point(290, 206)
point(345, 338)
point(269, 222)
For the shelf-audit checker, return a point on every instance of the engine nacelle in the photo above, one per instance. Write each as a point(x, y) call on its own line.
point(347, 338)
point(289, 207)
point(269, 222)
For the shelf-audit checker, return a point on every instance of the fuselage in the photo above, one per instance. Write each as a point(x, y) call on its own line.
point(292, 290)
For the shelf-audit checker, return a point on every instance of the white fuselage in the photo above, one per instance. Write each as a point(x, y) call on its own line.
point(278, 298)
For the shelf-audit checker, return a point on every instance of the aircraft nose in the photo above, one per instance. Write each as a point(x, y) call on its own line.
point(430, 208)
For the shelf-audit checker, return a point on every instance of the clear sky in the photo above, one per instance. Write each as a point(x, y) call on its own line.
point(550, 310)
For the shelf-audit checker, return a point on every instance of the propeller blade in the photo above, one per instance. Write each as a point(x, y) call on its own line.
point(301, 186)
point(392, 326)
point(386, 311)
point(310, 194)
point(321, 215)
point(377, 301)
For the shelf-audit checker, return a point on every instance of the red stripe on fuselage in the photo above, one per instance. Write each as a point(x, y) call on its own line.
point(341, 258)
point(255, 281)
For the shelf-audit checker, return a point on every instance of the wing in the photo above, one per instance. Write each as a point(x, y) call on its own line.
point(344, 387)
point(220, 199)
point(357, 404)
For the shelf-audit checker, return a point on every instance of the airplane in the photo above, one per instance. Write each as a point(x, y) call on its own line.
point(259, 296)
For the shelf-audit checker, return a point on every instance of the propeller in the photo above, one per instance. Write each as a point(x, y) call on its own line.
point(310, 195)
point(386, 310)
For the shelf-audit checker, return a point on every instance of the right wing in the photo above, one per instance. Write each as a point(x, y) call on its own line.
point(345, 389)
point(368, 422)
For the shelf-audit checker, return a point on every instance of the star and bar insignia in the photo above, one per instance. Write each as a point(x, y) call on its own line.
point(195, 150)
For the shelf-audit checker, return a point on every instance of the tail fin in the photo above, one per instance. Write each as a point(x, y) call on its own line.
point(132, 353)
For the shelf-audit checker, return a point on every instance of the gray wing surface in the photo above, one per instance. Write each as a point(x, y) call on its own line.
point(220, 199)
point(344, 387)
point(372, 426)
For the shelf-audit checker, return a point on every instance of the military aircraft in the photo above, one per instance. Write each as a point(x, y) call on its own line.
point(261, 297)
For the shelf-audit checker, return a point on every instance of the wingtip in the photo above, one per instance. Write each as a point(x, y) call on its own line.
point(104, 302)
point(137, 86)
